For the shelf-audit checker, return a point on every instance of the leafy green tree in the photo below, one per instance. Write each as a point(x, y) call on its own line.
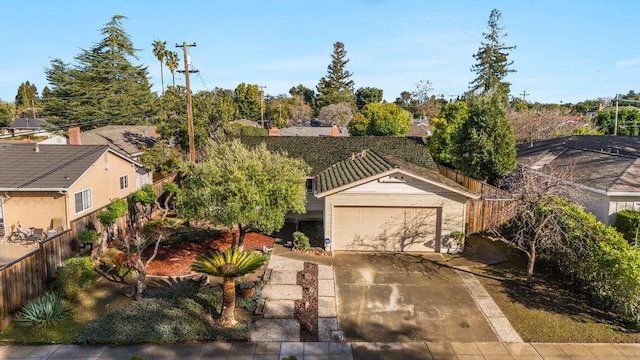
point(7, 113)
point(584, 107)
point(278, 111)
point(308, 95)
point(229, 266)
point(172, 61)
point(381, 120)
point(492, 62)
point(242, 188)
point(173, 124)
point(26, 93)
point(628, 121)
point(337, 86)
point(442, 143)
point(300, 110)
point(485, 143)
point(160, 52)
point(103, 85)
point(368, 95)
point(161, 158)
point(248, 101)
point(405, 101)
point(224, 108)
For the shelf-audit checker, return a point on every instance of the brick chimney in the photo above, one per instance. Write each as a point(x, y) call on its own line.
point(274, 131)
point(74, 136)
point(334, 130)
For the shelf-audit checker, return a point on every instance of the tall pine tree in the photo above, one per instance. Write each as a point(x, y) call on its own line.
point(337, 86)
point(492, 64)
point(103, 87)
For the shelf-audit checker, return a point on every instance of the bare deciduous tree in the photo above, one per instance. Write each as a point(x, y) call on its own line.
point(535, 225)
point(530, 126)
point(337, 114)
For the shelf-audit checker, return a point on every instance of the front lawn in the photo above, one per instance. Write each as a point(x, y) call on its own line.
point(552, 310)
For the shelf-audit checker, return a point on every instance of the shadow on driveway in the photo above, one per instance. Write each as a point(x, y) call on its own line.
point(390, 297)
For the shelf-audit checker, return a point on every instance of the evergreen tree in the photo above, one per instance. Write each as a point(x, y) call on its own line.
point(368, 95)
point(160, 52)
point(337, 86)
point(26, 93)
point(103, 85)
point(442, 143)
point(172, 60)
point(248, 101)
point(492, 64)
point(485, 147)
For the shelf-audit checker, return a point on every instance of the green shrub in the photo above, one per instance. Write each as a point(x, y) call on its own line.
point(181, 313)
point(628, 224)
point(146, 195)
point(45, 311)
point(76, 273)
point(599, 258)
point(300, 241)
point(88, 236)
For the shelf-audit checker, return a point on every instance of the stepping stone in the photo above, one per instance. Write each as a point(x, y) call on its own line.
point(279, 309)
point(326, 288)
point(325, 272)
point(282, 263)
point(327, 328)
point(276, 330)
point(282, 292)
point(286, 277)
point(327, 306)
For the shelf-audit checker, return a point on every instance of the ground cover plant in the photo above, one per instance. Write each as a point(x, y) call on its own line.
point(552, 308)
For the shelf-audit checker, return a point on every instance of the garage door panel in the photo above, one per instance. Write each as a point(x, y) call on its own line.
point(384, 228)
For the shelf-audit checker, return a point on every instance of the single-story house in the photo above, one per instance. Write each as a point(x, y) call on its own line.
point(605, 168)
point(377, 193)
point(310, 131)
point(49, 186)
point(28, 126)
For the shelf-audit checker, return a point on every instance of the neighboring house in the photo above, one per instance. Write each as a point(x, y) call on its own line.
point(310, 131)
point(377, 193)
point(606, 168)
point(27, 126)
point(420, 129)
point(130, 140)
point(41, 185)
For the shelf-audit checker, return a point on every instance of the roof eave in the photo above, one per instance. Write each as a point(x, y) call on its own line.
point(33, 189)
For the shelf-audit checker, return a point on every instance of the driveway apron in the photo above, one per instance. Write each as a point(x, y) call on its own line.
point(392, 297)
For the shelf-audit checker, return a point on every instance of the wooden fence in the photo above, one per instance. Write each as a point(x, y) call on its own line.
point(493, 209)
point(26, 278)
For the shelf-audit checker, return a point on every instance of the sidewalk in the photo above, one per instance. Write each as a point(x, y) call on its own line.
point(333, 350)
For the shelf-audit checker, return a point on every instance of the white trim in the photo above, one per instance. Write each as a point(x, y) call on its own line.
point(75, 207)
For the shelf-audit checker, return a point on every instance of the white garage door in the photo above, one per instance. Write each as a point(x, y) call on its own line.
point(384, 228)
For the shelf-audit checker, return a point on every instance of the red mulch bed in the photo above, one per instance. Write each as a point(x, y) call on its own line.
point(176, 259)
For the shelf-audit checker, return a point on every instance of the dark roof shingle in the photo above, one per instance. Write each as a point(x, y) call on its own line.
point(45, 167)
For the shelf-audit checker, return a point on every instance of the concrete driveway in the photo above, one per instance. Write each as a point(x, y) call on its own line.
point(390, 297)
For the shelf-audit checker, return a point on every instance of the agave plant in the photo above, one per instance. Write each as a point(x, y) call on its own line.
point(44, 311)
point(229, 265)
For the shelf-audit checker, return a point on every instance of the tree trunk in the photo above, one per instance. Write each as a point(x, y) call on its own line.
point(140, 285)
point(242, 232)
point(228, 302)
point(531, 256)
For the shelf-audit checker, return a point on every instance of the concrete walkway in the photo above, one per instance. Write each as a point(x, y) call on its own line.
point(328, 350)
point(280, 293)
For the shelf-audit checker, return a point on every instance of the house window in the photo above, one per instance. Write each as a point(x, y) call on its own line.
point(83, 200)
point(124, 182)
point(309, 185)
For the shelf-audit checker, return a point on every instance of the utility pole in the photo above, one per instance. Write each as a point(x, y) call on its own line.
point(615, 124)
point(261, 87)
point(186, 71)
point(524, 95)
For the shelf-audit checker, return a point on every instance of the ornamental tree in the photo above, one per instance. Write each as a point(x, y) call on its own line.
point(376, 119)
point(248, 189)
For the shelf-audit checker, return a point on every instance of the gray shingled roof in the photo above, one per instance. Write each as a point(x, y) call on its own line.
point(322, 152)
point(32, 167)
point(367, 164)
point(312, 131)
point(127, 139)
point(606, 163)
point(26, 123)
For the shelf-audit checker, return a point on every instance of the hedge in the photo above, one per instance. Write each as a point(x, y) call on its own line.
point(628, 224)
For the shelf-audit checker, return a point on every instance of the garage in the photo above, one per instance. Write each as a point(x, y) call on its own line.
point(386, 228)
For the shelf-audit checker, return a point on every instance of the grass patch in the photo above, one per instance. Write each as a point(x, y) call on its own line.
point(552, 309)
point(90, 304)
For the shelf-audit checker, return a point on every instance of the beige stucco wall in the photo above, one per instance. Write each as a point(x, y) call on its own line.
point(32, 209)
point(103, 178)
point(37, 209)
point(412, 194)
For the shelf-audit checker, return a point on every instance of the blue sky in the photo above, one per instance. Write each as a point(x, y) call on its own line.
point(567, 51)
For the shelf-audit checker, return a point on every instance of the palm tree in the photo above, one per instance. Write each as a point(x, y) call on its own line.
point(160, 51)
point(229, 265)
point(172, 64)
